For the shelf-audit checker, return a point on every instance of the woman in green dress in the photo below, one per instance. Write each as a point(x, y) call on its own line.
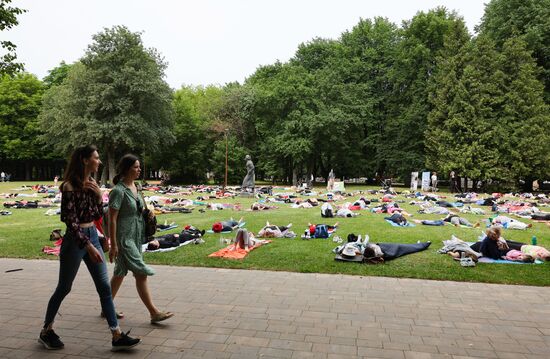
point(126, 228)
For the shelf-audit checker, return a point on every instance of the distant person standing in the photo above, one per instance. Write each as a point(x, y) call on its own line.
point(452, 181)
point(434, 181)
point(55, 180)
point(3, 176)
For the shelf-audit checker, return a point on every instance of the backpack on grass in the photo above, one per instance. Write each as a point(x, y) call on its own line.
point(321, 231)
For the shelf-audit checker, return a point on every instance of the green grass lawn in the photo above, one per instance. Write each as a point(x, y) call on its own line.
point(26, 231)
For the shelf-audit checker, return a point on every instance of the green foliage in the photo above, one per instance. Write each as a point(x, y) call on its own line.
point(236, 169)
point(195, 109)
point(489, 120)
point(20, 101)
point(57, 75)
point(115, 97)
point(529, 19)
point(423, 41)
point(8, 19)
point(525, 117)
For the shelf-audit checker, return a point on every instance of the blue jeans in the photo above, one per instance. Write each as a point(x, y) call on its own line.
point(70, 257)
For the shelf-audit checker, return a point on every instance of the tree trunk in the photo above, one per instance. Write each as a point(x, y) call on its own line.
point(111, 164)
point(294, 177)
point(104, 175)
point(28, 170)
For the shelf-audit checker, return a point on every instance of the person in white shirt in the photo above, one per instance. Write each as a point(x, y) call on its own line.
point(434, 181)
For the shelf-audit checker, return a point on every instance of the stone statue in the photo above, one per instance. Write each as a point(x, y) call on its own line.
point(249, 179)
point(330, 181)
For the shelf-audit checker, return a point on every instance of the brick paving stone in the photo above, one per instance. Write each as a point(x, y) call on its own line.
point(275, 353)
point(317, 339)
point(335, 349)
point(381, 353)
point(343, 341)
point(308, 355)
point(328, 317)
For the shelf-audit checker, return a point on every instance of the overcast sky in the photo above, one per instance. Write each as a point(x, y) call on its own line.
point(204, 41)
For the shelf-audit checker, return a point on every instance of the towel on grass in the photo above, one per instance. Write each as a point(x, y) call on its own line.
point(239, 253)
point(55, 249)
point(241, 225)
point(409, 224)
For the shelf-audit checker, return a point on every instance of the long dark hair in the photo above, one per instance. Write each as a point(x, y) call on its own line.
point(74, 174)
point(124, 165)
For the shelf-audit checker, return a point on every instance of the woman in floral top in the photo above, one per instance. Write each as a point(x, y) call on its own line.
point(127, 230)
point(81, 204)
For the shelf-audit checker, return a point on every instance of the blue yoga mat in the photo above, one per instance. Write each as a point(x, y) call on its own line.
point(504, 261)
point(409, 224)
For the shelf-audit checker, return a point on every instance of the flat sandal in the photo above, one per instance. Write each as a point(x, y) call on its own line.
point(160, 316)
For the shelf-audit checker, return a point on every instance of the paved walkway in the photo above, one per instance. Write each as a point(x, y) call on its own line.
point(257, 314)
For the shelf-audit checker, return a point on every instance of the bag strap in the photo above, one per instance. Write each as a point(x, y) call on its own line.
point(140, 194)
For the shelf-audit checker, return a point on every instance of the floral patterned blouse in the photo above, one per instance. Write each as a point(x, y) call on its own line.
point(79, 207)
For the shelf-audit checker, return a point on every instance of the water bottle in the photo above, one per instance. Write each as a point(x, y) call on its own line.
point(534, 240)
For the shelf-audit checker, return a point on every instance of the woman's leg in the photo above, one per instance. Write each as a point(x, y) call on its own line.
point(144, 293)
point(116, 282)
point(70, 257)
point(100, 276)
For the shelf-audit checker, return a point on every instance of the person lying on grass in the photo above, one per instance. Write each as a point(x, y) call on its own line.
point(273, 231)
point(313, 226)
point(226, 226)
point(495, 247)
point(509, 223)
point(245, 240)
point(397, 218)
point(391, 208)
point(174, 239)
point(451, 218)
point(256, 206)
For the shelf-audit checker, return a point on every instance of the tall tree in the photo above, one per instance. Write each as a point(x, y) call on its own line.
point(8, 19)
point(368, 59)
point(465, 131)
point(525, 118)
point(115, 97)
point(187, 159)
point(530, 19)
point(20, 100)
point(422, 42)
point(283, 98)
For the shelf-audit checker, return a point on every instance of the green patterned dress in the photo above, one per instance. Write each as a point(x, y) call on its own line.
point(130, 233)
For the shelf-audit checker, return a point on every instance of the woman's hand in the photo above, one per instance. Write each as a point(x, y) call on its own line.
point(94, 254)
point(113, 253)
point(91, 184)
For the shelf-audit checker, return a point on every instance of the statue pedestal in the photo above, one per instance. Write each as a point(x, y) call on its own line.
point(246, 194)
